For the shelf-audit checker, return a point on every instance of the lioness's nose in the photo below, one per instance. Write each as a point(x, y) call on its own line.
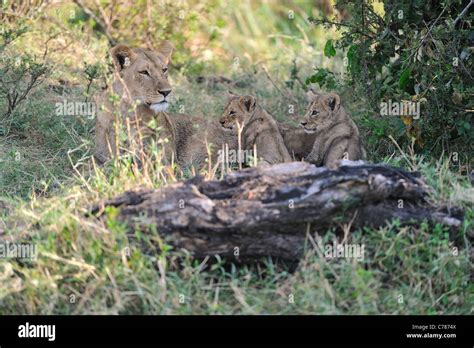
point(164, 93)
point(303, 123)
point(222, 121)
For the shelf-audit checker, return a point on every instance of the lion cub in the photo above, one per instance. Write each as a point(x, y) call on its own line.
point(337, 136)
point(259, 129)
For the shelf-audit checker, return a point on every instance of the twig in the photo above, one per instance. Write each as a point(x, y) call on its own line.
point(239, 142)
point(322, 21)
point(402, 152)
point(99, 22)
point(426, 35)
point(463, 12)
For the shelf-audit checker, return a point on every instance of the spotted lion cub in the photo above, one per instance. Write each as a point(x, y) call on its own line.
point(336, 135)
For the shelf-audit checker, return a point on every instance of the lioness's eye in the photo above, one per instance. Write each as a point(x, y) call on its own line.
point(144, 72)
point(314, 113)
point(232, 113)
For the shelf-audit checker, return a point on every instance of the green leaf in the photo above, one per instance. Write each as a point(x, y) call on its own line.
point(329, 50)
point(220, 23)
point(402, 82)
point(318, 77)
point(350, 54)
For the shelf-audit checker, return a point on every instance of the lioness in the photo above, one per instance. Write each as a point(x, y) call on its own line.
point(337, 136)
point(142, 83)
point(259, 129)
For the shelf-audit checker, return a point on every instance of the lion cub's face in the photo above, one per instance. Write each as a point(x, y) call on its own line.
point(238, 108)
point(145, 74)
point(321, 111)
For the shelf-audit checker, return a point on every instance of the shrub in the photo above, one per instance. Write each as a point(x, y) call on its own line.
point(19, 74)
point(415, 51)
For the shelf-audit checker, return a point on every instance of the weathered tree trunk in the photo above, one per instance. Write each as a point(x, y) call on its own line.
point(268, 211)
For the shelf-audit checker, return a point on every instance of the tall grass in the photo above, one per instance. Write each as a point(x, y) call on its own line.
point(89, 266)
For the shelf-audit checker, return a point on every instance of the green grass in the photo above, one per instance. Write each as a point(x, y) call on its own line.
point(86, 266)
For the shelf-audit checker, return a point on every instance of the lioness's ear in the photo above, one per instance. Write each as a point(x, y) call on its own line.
point(248, 102)
point(333, 101)
point(311, 95)
point(122, 56)
point(166, 49)
point(231, 95)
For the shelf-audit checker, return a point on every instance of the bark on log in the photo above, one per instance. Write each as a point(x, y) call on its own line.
point(268, 211)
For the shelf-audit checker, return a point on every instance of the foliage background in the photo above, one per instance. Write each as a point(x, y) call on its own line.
point(274, 50)
point(418, 51)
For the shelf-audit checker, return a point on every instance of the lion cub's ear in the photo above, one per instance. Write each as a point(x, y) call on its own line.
point(248, 103)
point(166, 49)
point(123, 56)
point(231, 95)
point(311, 95)
point(333, 101)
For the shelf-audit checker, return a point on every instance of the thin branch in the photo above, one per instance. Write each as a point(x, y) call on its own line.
point(463, 12)
point(425, 36)
point(355, 30)
point(99, 21)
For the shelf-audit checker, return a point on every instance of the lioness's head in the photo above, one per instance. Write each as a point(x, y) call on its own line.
point(145, 74)
point(238, 108)
point(321, 111)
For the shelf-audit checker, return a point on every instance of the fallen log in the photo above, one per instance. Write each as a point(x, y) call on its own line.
point(268, 211)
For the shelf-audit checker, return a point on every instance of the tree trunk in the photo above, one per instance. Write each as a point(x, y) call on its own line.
point(267, 211)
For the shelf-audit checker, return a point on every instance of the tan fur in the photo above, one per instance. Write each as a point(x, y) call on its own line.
point(141, 80)
point(336, 135)
point(188, 137)
point(297, 141)
point(198, 137)
point(259, 129)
